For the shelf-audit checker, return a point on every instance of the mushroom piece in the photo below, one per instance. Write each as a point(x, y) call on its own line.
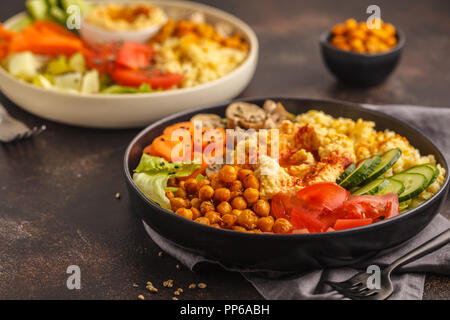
point(213, 168)
point(209, 120)
point(276, 113)
point(245, 115)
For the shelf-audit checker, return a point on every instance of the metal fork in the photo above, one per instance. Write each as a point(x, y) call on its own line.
point(12, 129)
point(357, 287)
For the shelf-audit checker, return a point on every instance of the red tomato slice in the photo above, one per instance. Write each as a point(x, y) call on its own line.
point(375, 207)
point(280, 206)
point(303, 220)
point(342, 224)
point(102, 57)
point(135, 78)
point(325, 194)
point(134, 55)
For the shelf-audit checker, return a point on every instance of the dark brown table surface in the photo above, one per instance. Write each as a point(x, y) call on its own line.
point(57, 192)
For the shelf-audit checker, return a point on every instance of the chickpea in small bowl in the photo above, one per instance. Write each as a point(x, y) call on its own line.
point(359, 38)
point(359, 55)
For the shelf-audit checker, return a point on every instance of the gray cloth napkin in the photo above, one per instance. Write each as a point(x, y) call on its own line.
point(408, 282)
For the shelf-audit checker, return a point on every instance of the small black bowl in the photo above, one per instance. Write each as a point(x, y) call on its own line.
point(281, 252)
point(357, 69)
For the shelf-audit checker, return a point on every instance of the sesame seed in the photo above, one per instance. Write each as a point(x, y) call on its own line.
point(201, 285)
point(117, 195)
point(160, 254)
point(174, 298)
point(192, 286)
point(141, 297)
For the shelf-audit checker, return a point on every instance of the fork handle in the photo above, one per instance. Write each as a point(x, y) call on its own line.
point(437, 242)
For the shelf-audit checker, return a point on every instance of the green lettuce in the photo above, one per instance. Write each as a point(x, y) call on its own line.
point(152, 174)
point(116, 89)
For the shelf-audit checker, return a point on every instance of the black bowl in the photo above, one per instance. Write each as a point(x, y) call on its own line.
point(357, 69)
point(293, 252)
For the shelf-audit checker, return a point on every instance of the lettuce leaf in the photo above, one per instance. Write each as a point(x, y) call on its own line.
point(117, 89)
point(152, 174)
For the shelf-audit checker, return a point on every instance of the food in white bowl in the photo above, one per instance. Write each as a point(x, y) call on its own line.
point(89, 78)
point(136, 22)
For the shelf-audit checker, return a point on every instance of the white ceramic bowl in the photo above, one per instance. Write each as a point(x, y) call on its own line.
point(136, 110)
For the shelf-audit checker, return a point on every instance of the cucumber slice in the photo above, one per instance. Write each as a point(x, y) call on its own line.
point(345, 174)
point(394, 186)
point(52, 3)
point(436, 173)
point(388, 159)
point(372, 187)
point(59, 15)
point(414, 184)
point(362, 171)
point(37, 9)
point(428, 170)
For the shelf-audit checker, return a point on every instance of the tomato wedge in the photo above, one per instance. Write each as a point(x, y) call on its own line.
point(134, 55)
point(102, 57)
point(342, 224)
point(135, 78)
point(375, 207)
point(303, 220)
point(324, 194)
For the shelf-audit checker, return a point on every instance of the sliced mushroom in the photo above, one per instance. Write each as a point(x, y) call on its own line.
point(245, 115)
point(276, 113)
point(209, 120)
point(213, 168)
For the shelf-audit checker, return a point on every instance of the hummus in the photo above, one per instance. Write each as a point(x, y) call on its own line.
point(126, 17)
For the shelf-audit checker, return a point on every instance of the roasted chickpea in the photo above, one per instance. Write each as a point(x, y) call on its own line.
point(251, 181)
point(239, 203)
point(251, 195)
point(227, 174)
point(265, 223)
point(191, 186)
point(169, 194)
point(351, 24)
point(243, 173)
point(255, 231)
point(206, 206)
point(224, 208)
point(186, 213)
point(195, 203)
point(235, 194)
point(177, 203)
point(262, 208)
point(338, 29)
point(181, 193)
point(217, 184)
point(228, 220)
point(247, 219)
point(213, 217)
point(181, 184)
point(236, 212)
point(222, 194)
point(172, 182)
point(205, 193)
point(236, 185)
point(202, 183)
point(202, 220)
point(282, 225)
point(238, 228)
point(215, 225)
point(195, 213)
